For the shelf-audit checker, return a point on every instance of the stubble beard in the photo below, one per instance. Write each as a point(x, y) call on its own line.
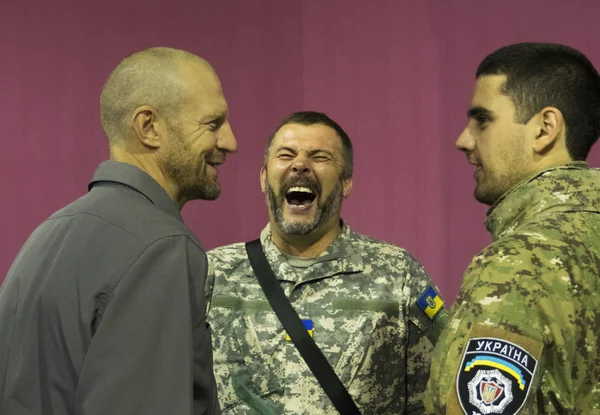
point(323, 212)
point(189, 171)
point(494, 183)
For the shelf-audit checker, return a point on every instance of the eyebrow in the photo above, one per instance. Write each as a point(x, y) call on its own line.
point(213, 118)
point(291, 150)
point(310, 153)
point(478, 111)
point(219, 119)
point(217, 115)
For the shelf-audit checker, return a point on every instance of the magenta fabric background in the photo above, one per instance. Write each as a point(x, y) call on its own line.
point(397, 75)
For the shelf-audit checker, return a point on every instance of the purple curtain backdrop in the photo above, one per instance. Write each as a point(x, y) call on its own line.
point(397, 75)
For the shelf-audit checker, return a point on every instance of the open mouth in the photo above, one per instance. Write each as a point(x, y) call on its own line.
point(300, 197)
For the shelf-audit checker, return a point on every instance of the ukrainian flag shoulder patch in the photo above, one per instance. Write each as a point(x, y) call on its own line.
point(430, 302)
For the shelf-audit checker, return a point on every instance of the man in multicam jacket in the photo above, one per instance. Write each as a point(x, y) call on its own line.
point(369, 306)
point(524, 336)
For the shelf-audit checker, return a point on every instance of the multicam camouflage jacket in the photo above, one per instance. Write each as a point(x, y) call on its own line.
point(524, 336)
point(361, 298)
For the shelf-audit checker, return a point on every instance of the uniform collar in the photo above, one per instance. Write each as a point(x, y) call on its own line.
point(569, 187)
point(112, 172)
point(339, 257)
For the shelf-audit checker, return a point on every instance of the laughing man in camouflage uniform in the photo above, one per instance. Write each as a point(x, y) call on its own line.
point(361, 295)
point(524, 336)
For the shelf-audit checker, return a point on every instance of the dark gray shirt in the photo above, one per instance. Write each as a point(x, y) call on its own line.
point(102, 311)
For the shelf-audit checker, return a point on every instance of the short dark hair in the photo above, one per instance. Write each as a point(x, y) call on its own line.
point(551, 75)
point(312, 118)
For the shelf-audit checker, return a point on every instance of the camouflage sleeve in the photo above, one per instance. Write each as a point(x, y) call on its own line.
point(426, 319)
point(508, 307)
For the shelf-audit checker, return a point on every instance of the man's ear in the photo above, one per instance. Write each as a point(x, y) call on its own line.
point(549, 129)
point(263, 178)
point(347, 186)
point(148, 126)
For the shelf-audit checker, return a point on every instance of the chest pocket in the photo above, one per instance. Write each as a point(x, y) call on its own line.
point(364, 341)
point(246, 342)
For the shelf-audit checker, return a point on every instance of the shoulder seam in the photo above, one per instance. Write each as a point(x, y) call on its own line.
point(112, 223)
point(113, 286)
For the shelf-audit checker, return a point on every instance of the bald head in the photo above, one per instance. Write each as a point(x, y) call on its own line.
point(153, 77)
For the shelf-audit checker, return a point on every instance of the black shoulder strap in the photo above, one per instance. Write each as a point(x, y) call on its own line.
point(292, 324)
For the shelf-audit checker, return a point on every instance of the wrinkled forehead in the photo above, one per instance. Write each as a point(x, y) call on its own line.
point(310, 138)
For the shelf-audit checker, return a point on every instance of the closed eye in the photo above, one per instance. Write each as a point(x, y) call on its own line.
point(214, 125)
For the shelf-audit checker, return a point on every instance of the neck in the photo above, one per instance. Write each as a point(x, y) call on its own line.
point(307, 246)
point(147, 163)
point(554, 157)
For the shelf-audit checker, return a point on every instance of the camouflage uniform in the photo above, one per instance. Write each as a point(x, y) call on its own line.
point(536, 286)
point(361, 296)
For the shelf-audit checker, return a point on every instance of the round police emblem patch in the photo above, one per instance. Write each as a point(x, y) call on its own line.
point(494, 377)
point(490, 391)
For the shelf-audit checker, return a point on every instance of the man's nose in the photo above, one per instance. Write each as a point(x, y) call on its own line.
point(226, 140)
point(301, 164)
point(465, 141)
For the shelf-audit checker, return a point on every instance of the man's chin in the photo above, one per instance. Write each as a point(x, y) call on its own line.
point(298, 220)
point(211, 196)
point(297, 227)
point(485, 197)
point(210, 191)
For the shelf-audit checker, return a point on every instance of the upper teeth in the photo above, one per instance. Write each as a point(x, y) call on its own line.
point(300, 189)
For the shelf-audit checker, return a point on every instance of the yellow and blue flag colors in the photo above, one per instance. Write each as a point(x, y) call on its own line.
point(499, 364)
point(430, 302)
point(308, 325)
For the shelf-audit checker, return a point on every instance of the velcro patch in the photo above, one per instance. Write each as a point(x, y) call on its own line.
point(430, 302)
point(308, 325)
point(494, 376)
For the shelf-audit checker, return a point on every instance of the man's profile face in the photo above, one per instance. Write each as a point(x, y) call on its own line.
point(199, 137)
point(493, 141)
point(302, 179)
